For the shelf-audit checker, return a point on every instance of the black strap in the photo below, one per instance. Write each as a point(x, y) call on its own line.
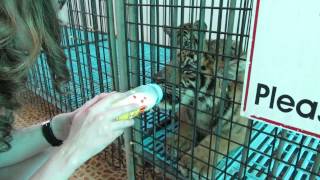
point(49, 136)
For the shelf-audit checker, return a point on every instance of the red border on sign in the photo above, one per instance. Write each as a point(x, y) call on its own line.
point(248, 82)
point(251, 54)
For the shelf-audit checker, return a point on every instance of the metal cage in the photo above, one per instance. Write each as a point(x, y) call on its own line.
point(118, 45)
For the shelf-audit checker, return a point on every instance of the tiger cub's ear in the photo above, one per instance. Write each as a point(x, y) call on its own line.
point(195, 28)
point(196, 25)
point(167, 30)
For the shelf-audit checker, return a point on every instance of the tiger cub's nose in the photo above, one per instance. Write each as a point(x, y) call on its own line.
point(159, 77)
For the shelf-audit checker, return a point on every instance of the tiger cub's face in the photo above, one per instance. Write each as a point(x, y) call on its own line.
point(187, 35)
point(189, 74)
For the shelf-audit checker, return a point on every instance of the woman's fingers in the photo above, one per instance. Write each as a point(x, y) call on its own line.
point(116, 134)
point(118, 125)
point(106, 102)
point(109, 135)
point(100, 97)
point(96, 99)
point(113, 113)
point(107, 119)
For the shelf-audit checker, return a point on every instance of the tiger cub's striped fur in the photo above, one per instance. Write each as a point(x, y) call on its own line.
point(200, 78)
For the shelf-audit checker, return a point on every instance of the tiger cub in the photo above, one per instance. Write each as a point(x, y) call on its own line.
point(200, 79)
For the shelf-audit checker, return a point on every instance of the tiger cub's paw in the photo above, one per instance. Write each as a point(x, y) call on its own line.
point(200, 164)
point(177, 146)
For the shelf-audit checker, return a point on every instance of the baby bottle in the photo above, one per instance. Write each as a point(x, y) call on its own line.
point(146, 96)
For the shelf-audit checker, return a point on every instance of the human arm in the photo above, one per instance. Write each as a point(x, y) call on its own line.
point(28, 142)
point(93, 128)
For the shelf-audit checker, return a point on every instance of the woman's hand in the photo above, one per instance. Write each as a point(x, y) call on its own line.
point(61, 124)
point(94, 127)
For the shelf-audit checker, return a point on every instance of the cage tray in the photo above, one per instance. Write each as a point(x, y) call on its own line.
point(259, 155)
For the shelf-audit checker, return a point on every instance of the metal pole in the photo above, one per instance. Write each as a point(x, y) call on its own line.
point(153, 51)
point(134, 44)
point(112, 39)
point(121, 44)
point(174, 12)
point(135, 70)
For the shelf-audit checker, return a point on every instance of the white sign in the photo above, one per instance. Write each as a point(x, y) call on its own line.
point(282, 80)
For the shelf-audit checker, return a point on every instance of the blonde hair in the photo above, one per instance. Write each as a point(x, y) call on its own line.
point(42, 25)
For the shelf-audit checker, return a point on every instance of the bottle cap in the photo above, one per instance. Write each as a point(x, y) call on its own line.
point(158, 91)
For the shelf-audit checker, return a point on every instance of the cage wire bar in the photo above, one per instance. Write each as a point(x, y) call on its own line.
point(112, 43)
point(173, 18)
point(118, 45)
point(135, 79)
point(227, 60)
point(121, 41)
point(197, 88)
point(245, 151)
